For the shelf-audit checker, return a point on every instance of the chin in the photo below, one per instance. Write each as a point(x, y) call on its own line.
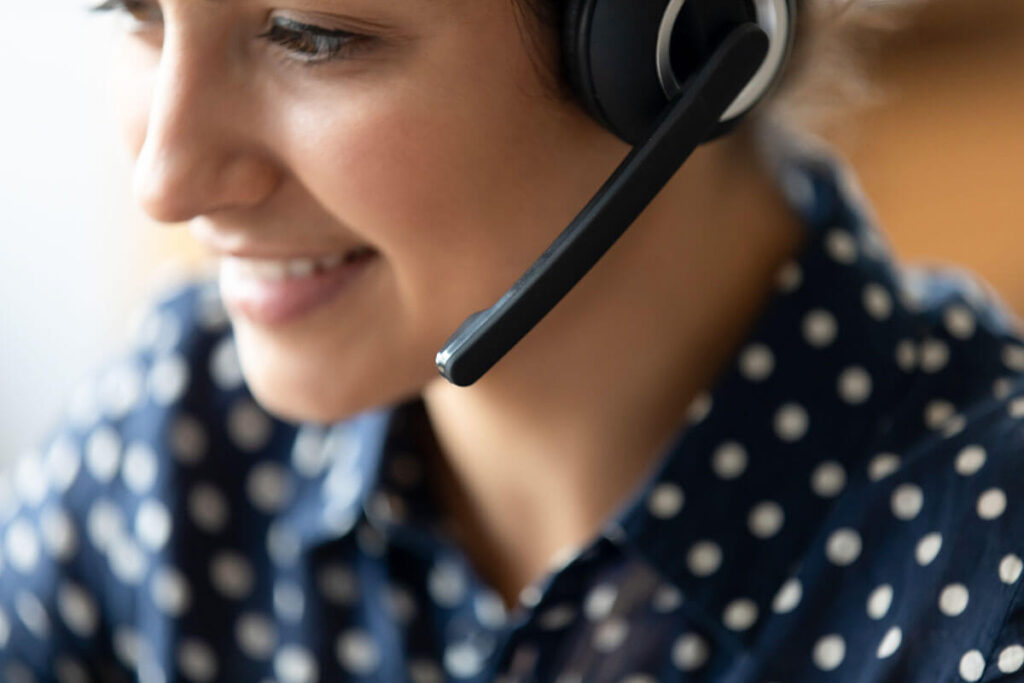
point(294, 386)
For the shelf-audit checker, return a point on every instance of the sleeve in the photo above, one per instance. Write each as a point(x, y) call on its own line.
point(80, 518)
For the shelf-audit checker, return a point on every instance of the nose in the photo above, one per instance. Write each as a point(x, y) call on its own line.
point(200, 153)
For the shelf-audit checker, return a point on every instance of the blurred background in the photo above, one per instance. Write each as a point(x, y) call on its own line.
point(941, 158)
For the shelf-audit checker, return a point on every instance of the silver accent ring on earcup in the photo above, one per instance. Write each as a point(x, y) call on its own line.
point(772, 16)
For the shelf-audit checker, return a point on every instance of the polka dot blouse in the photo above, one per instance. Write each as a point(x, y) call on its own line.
point(844, 503)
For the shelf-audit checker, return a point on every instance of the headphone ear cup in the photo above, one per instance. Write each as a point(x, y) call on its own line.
point(577, 67)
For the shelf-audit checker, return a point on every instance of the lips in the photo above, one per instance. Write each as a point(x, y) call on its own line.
point(272, 291)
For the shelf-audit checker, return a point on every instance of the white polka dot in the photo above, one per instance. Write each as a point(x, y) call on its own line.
point(77, 609)
point(765, 519)
point(610, 634)
point(740, 614)
point(530, 595)
point(959, 321)
point(890, 643)
point(954, 425)
point(5, 628)
point(1013, 357)
point(127, 560)
point(69, 670)
point(32, 614)
point(248, 426)
point(232, 575)
point(789, 277)
point(829, 652)
point(256, 635)
point(600, 601)
point(937, 412)
point(338, 584)
point(1010, 568)
point(757, 362)
point(140, 467)
point(665, 500)
point(879, 601)
point(22, 546)
point(906, 501)
point(704, 558)
point(906, 355)
point(1016, 408)
point(882, 465)
point(295, 664)
point(841, 246)
point(463, 660)
point(991, 503)
point(854, 385)
point(689, 652)
point(928, 548)
point(843, 547)
point(357, 652)
point(103, 523)
point(309, 456)
point(170, 591)
point(666, 598)
point(953, 599)
point(969, 460)
point(972, 665)
point(269, 487)
point(934, 355)
point(289, 600)
point(103, 454)
point(446, 583)
point(153, 524)
point(207, 507)
point(225, 368)
point(283, 544)
point(788, 596)
point(168, 379)
point(1011, 659)
point(819, 328)
point(699, 407)
point(30, 479)
point(127, 646)
point(58, 533)
point(120, 390)
point(828, 479)
point(791, 422)
point(188, 439)
point(1002, 387)
point(877, 301)
point(62, 463)
point(729, 460)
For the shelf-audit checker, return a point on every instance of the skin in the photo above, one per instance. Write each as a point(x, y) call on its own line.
point(442, 147)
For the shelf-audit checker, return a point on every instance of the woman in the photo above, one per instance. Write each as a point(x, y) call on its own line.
point(746, 446)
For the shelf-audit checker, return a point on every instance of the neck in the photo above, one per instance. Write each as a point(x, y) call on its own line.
point(536, 455)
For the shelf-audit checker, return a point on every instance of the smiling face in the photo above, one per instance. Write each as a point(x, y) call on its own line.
point(433, 140)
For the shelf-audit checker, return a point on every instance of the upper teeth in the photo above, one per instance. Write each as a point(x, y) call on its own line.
point(280, 269)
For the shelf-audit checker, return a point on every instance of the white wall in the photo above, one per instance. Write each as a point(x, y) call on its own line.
point(70, 228)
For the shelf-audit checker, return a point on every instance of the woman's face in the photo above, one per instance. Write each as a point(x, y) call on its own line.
point(434, 141)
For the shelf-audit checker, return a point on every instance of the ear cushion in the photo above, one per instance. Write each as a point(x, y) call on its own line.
point(575, 31)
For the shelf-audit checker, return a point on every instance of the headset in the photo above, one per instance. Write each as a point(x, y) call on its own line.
point(664, 76)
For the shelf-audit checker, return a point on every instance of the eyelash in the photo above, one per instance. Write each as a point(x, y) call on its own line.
point(312, 44)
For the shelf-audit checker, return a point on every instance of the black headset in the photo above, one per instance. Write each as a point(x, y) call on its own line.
point(663, 76)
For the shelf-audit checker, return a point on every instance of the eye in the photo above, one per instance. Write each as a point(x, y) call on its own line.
point(313, 44)
point(138, 12)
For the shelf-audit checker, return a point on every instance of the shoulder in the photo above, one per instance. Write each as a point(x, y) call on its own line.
point(88, 529)
point(942, 512)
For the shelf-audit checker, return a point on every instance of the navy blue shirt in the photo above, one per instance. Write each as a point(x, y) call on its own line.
point(844, 503)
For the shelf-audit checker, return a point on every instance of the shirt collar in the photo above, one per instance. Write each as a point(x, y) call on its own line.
point(767, 448)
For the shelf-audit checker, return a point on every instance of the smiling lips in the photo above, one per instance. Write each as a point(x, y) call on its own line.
point(273, 291)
